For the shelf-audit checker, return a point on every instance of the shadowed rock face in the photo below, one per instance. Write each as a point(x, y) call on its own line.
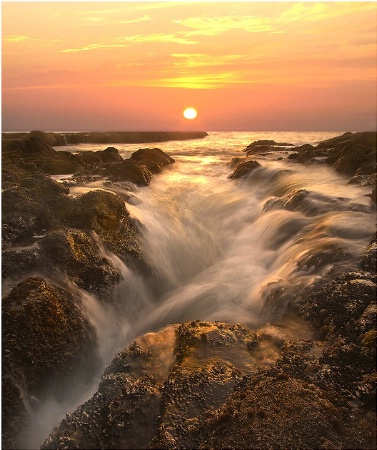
point(35, 155)
point(129, 170)
point(244, 168)
point(46, 340)
point(265, 145)
point(162, 385)
point(351, 154)
point(216, 385)
point(73, 253)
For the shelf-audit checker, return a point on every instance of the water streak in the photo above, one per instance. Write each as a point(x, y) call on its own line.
point(233, 250)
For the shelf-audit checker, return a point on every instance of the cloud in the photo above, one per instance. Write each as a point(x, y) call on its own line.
point(157, 38)
point(93, 47)
point(198, 81)
point(323, 11)
point(17, 38)
point(126, 41)
point(95, 20)
point(191, 60)
point(213, 26)
point(142, 19)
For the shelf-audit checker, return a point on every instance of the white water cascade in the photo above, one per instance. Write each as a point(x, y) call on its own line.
point(225, 249)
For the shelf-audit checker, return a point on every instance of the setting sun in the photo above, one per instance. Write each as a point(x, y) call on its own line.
point(190, 113)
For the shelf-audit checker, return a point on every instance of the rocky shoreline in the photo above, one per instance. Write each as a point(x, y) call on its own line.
point(191, 385)
point(113, 137)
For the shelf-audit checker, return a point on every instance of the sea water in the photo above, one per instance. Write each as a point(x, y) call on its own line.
point(224, 249)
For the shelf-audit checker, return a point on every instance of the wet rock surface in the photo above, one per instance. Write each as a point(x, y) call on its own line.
point(244, 168)
point(191, 385)
point(216, 385)
point(54, 242)
point(265, 146)
point(351, 154)
point(163, 385)
point(46, 340)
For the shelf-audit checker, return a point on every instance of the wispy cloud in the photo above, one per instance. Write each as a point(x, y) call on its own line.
point(314, 12)
point(192, 60)
point(17, 38)
point(93, 47)
point(96, 20)
point(161, 38)
point(213, 26)
point(127, 41)
point(198, 81)
point(141, 19)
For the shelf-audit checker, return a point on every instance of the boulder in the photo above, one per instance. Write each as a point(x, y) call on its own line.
point(46, 341)
point(283, 407)
point(244, 168)
point(352, 152)
point(45, 334)
point(265, 145)
point(153, 158)
point(74, 253)
point(32, 207)
point(161, 386)
point(129, 170)
point(344, 310)
point(214, 385)
point(105, 213)
point(368, 262)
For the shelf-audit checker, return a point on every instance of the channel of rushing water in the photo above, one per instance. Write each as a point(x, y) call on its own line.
point(225, 249)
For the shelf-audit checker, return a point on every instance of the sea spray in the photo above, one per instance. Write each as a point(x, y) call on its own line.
point(233, 250)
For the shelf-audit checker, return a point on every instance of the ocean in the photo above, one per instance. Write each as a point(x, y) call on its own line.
point(223, 249)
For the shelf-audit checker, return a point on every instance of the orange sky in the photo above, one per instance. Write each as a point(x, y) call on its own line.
point(137, 65)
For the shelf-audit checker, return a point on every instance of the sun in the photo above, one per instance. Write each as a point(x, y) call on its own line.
point(190, 113)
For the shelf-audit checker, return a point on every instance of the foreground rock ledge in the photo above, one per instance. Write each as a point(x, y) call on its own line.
point(216, 385)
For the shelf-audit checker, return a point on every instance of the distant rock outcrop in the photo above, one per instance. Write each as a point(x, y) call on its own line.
point(109, 137)
point(265, 146)
point(351, 154)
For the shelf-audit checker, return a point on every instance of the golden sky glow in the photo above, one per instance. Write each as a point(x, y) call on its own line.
point(136, 65)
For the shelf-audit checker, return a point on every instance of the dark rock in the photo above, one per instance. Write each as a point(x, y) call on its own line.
point(244, 168)
point(112, 137)
point(45, 334)
point(32, 206)
point(352, 152)
point(14, 412)
point(305, 153)
point(341, 310)
point(109, 155)
point(209, 385)
point(46, 341)
point(234, 161)
point(72, 252)
point(369, 260)
point(152, 154)
point(265, 145)
point(284, 407)
point(160, 387)
point(124, 411)
point(17, 262)
point(129, 170)
point(106, 214)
